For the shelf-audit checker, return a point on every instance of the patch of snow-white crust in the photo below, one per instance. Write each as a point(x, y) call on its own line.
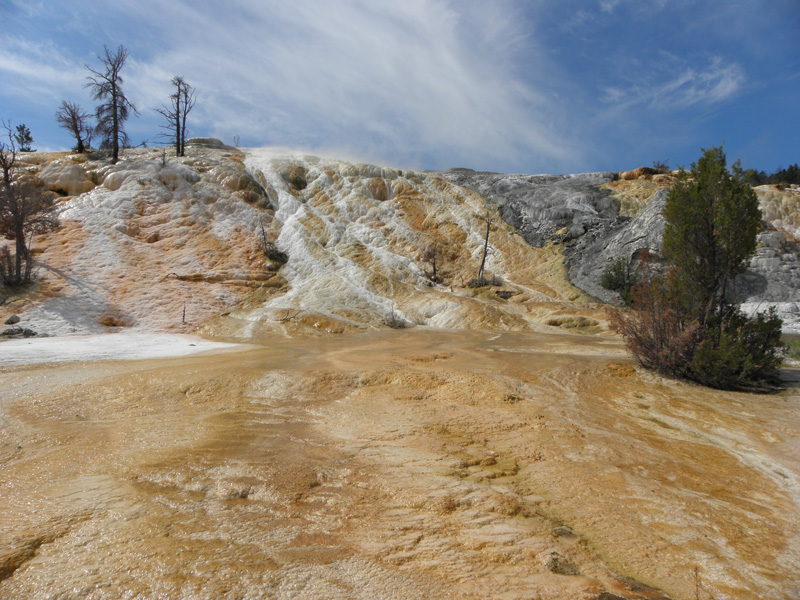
point(127, 345)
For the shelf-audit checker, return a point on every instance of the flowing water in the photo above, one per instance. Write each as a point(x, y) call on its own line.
point(403, 464)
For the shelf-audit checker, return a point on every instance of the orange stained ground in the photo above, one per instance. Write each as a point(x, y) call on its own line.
point(395, 464)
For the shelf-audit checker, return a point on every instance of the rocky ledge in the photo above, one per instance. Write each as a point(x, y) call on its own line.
point(594, 217)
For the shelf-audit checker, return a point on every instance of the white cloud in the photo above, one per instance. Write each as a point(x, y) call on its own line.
point(432, 83)
point(650, 6)
point(37, 71)
point(415, 74)
point(405, 81)
point(691, 87)
point(609, 5)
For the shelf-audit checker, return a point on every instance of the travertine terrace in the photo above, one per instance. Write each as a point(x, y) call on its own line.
point(497, 443)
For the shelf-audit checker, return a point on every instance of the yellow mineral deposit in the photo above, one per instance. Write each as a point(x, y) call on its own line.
point(395, 464)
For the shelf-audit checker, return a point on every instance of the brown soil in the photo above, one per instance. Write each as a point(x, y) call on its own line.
point(395, 464)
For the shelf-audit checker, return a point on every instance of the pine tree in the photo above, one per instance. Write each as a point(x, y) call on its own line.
point(685, 320)
point(23, 138)
point(712, 220)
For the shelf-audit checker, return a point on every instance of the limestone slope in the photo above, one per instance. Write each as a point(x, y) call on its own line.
point(142, 241)
point(164, 243)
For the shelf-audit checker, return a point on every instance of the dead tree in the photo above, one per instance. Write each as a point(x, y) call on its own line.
point(481, 278)
point(106, 86)
point(8, 157)
point(270, 249)
point(433, 257)
point(71, 116)
point(180, 105)
point(24, 210)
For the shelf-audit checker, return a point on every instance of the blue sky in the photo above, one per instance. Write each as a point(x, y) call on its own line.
point(514, 86)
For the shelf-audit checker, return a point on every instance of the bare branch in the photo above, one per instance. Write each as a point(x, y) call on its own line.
point(106, 86)
point(181, 103)
point(73, 118)
point(24, 210)
point(8, 155)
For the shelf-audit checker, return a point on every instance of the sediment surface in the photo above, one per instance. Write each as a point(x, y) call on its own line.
point(401, 464)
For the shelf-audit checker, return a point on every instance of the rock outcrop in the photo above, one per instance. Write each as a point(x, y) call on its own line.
point(588, 256)
point(66, 178)
point(544, 207)
point(601, 217)
point(268, 239)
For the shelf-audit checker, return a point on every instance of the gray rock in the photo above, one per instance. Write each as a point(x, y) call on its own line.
point(12, 320)
point(541, 206)
point(628, 239)
point(18, 332)
point(206, 142)
point(573, 209)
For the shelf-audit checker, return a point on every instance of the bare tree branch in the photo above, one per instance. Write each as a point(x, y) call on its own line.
point(73, 118)
point(24, 210)
point(181, 103)
point(106, 85)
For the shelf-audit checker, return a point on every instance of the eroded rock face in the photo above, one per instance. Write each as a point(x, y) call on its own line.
point(356, 238)
point(157, 244)
point(206, 142)
point(68, 179)
point(590, 255)
point(272, 240)
point(601, 219)
point(544, 207)
point(577, 210)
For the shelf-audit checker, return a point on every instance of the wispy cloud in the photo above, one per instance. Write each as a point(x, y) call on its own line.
point(690, 87)
point(404, 81)
point(37, 71)
point(508, 85)
point(649, 6)
point(416, 74)
point(609, 5)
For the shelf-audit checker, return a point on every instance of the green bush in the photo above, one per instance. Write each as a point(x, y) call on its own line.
point(621, 276)
point(738, 352)
point(732, 352)
point(791, 345)
point(684, 321)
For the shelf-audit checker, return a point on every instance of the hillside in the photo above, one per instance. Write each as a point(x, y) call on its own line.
point(602, 217)
point(161, 243)
point(147, 237)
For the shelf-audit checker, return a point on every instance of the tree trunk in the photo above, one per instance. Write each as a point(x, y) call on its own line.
point(115, 126)
point(182, 136)
point(178, 144)
point(21, 251)
point(485, 249)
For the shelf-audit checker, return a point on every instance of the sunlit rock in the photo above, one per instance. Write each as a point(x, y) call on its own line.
point(206, 142)
point(67, 179)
